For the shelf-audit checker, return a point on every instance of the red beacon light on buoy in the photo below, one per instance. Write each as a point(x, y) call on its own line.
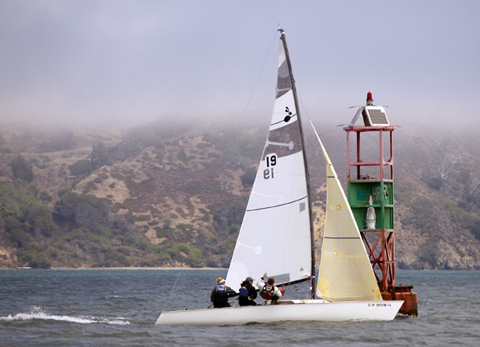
point(369, 99)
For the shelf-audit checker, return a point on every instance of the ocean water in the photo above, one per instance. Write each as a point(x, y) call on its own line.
point(120, 307)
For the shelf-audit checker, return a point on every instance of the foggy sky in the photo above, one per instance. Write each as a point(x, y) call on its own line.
point(135, 61)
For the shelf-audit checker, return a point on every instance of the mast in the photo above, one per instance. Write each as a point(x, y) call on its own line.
point(307, 173)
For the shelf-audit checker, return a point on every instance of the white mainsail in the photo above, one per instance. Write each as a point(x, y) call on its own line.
point(345, 270)
point(275, 236)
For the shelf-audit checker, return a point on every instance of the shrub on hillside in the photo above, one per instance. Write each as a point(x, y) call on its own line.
point(81, 211)
point(195, 257)
point(41, 260)
point(99, 156)
point(81, 167)
point(249, 177)
point(228, 215)
point(429, 253)
point(45, 196)
point(20, 169)
point(475, 229)
point(19, 236)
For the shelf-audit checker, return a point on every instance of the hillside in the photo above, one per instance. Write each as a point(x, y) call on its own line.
point(173, 195)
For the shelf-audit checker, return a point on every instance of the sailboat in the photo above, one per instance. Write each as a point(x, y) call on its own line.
point(277, 236)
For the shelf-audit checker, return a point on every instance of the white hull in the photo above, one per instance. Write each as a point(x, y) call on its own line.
point(297, 310)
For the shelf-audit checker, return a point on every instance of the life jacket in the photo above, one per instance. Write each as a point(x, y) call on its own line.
point(244, 292)
point(267, 293)
point(221, 294)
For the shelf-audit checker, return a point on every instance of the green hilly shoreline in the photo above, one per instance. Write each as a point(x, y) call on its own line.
point(174, 195)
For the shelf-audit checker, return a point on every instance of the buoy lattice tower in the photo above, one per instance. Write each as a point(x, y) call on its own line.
point(370, 186)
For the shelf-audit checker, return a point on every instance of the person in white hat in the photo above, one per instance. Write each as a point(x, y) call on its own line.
point(221, 293)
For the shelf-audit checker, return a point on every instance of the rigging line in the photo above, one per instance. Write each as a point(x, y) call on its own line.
point(305, 109)
point(310, 120)
point(244, 111)
point(171, 292)
point(325, 155)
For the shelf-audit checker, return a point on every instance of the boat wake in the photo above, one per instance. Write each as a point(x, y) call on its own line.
point(39, 314)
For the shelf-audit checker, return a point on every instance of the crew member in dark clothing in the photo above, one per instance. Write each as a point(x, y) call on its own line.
point(221, 293)
point(247, 293)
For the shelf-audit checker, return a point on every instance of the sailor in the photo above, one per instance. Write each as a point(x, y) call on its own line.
point(268, 290)
point(247, 293)
point(221, 293)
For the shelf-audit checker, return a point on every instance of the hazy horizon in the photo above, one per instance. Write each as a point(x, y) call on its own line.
point(129, 63)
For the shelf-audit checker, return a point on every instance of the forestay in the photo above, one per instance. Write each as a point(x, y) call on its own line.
point(275, 236)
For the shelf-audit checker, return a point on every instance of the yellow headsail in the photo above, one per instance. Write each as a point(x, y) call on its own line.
point(345, 270)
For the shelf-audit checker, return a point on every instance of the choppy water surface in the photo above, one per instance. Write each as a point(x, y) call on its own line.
point(119, 308)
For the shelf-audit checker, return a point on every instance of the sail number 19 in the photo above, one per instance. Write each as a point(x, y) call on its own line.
point(271, 162)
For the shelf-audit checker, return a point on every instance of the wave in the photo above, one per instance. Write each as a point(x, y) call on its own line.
point(39, 314)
